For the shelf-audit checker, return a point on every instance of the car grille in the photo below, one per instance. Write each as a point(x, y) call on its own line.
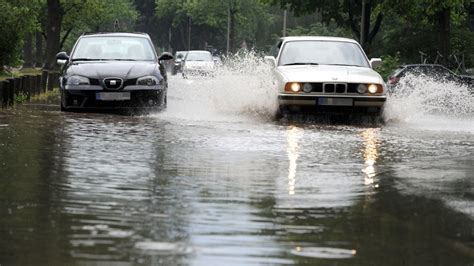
point(334, 88)
point(126, 82)
point(113, 83)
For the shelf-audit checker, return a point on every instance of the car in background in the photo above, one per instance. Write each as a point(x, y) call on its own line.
point(198, 63)
point(113, 71)
point(326, 74)
point(434, 71)
point(178, 62)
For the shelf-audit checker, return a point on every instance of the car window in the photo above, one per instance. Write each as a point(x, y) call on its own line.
point(398, 72)
point(180, 55)
point(114, 48)
point(198, 57)
point(323, 53)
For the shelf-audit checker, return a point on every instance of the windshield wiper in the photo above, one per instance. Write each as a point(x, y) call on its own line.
point(86, 59)
point(124, 59)
point(343, 65)
point(296, 64)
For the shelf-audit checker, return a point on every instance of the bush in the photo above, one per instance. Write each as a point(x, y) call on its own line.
point(389, 64)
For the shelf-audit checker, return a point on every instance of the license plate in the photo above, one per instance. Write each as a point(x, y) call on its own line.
point(335, 101)
point(112, 96)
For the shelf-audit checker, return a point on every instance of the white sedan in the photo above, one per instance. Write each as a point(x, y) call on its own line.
point(326, 74)
point(198, 63)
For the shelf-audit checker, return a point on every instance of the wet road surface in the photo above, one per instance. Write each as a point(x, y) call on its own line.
point(196, 185)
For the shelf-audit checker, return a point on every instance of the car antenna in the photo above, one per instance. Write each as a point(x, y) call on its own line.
point(116, 25)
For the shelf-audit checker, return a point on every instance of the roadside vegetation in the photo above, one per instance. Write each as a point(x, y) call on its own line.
point(32, 32)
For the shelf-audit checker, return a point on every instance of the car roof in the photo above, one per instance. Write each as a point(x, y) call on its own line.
point(318, 38)
point(116, 34)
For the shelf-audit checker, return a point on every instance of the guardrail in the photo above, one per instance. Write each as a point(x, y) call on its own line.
point(26, 86)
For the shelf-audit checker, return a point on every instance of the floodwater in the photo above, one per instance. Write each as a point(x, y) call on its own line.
point(215, 180)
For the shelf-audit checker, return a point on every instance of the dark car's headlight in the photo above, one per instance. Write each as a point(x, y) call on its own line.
point(148, 81)
point(77, 80)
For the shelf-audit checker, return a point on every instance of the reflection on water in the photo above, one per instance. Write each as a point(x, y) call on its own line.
point(293, 136)
point(81, 189)
point(370, 137)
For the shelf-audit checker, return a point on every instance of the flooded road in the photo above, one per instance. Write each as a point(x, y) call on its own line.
point(214, 180)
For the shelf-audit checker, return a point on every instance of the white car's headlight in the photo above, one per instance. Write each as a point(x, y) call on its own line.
point(77, 80)
point(307, 87)
point(362, 88)
point(148, 81)
point(293, 87)
point(373, 88)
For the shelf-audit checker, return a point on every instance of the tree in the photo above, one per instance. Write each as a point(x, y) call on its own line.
point(73, 17)
point(356, 14)
point(17, 20)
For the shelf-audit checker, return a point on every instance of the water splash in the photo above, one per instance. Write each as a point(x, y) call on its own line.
point(241, 88)
point(431, 104)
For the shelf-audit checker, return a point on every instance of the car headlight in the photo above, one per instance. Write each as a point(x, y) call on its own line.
point(362, 88)
point(307, 87)
point(77, 80)
point(293, 87)
point(148, 81)
point(373, 88)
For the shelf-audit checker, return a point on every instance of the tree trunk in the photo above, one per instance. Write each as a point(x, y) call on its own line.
point(39, 49)
point(232, 29)
point(444, 34)
point(365, 23)
point(53, 30)
point(28, 51)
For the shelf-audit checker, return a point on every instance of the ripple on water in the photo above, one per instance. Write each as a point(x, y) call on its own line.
point(323, 252)
point(163, 248)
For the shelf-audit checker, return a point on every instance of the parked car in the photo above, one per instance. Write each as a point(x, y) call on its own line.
point(178, 62)
point(326, 74)
point(113, 71)
point(434, 71)
point(198, 63)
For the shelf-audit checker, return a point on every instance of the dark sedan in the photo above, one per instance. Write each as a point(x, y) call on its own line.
point(113, 71)
point(434, 71)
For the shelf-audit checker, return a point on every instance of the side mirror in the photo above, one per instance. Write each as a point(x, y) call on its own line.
point(62, 58)
point(271, 60)
point(375, 62)
point(165, 56)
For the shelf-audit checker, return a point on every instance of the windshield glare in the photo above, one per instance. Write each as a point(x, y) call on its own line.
point(198, 56)
point(114, 48)
point(322, 53)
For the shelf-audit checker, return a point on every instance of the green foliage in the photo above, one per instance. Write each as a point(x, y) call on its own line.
point(389, 64)
point(16, 19)
point(21, 97)
point(96, 16)
point(320, 29)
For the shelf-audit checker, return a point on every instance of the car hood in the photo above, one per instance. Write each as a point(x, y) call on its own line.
point(118, 69)
point(199, 64)
point(328, 73)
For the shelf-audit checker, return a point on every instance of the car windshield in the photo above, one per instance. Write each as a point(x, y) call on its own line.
point(198, 57)
point(322, 53)
point(180, 55)
point(114, 48)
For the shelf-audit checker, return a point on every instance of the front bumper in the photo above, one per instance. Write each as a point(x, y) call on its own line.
point(345, 103)
point(138, 97)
